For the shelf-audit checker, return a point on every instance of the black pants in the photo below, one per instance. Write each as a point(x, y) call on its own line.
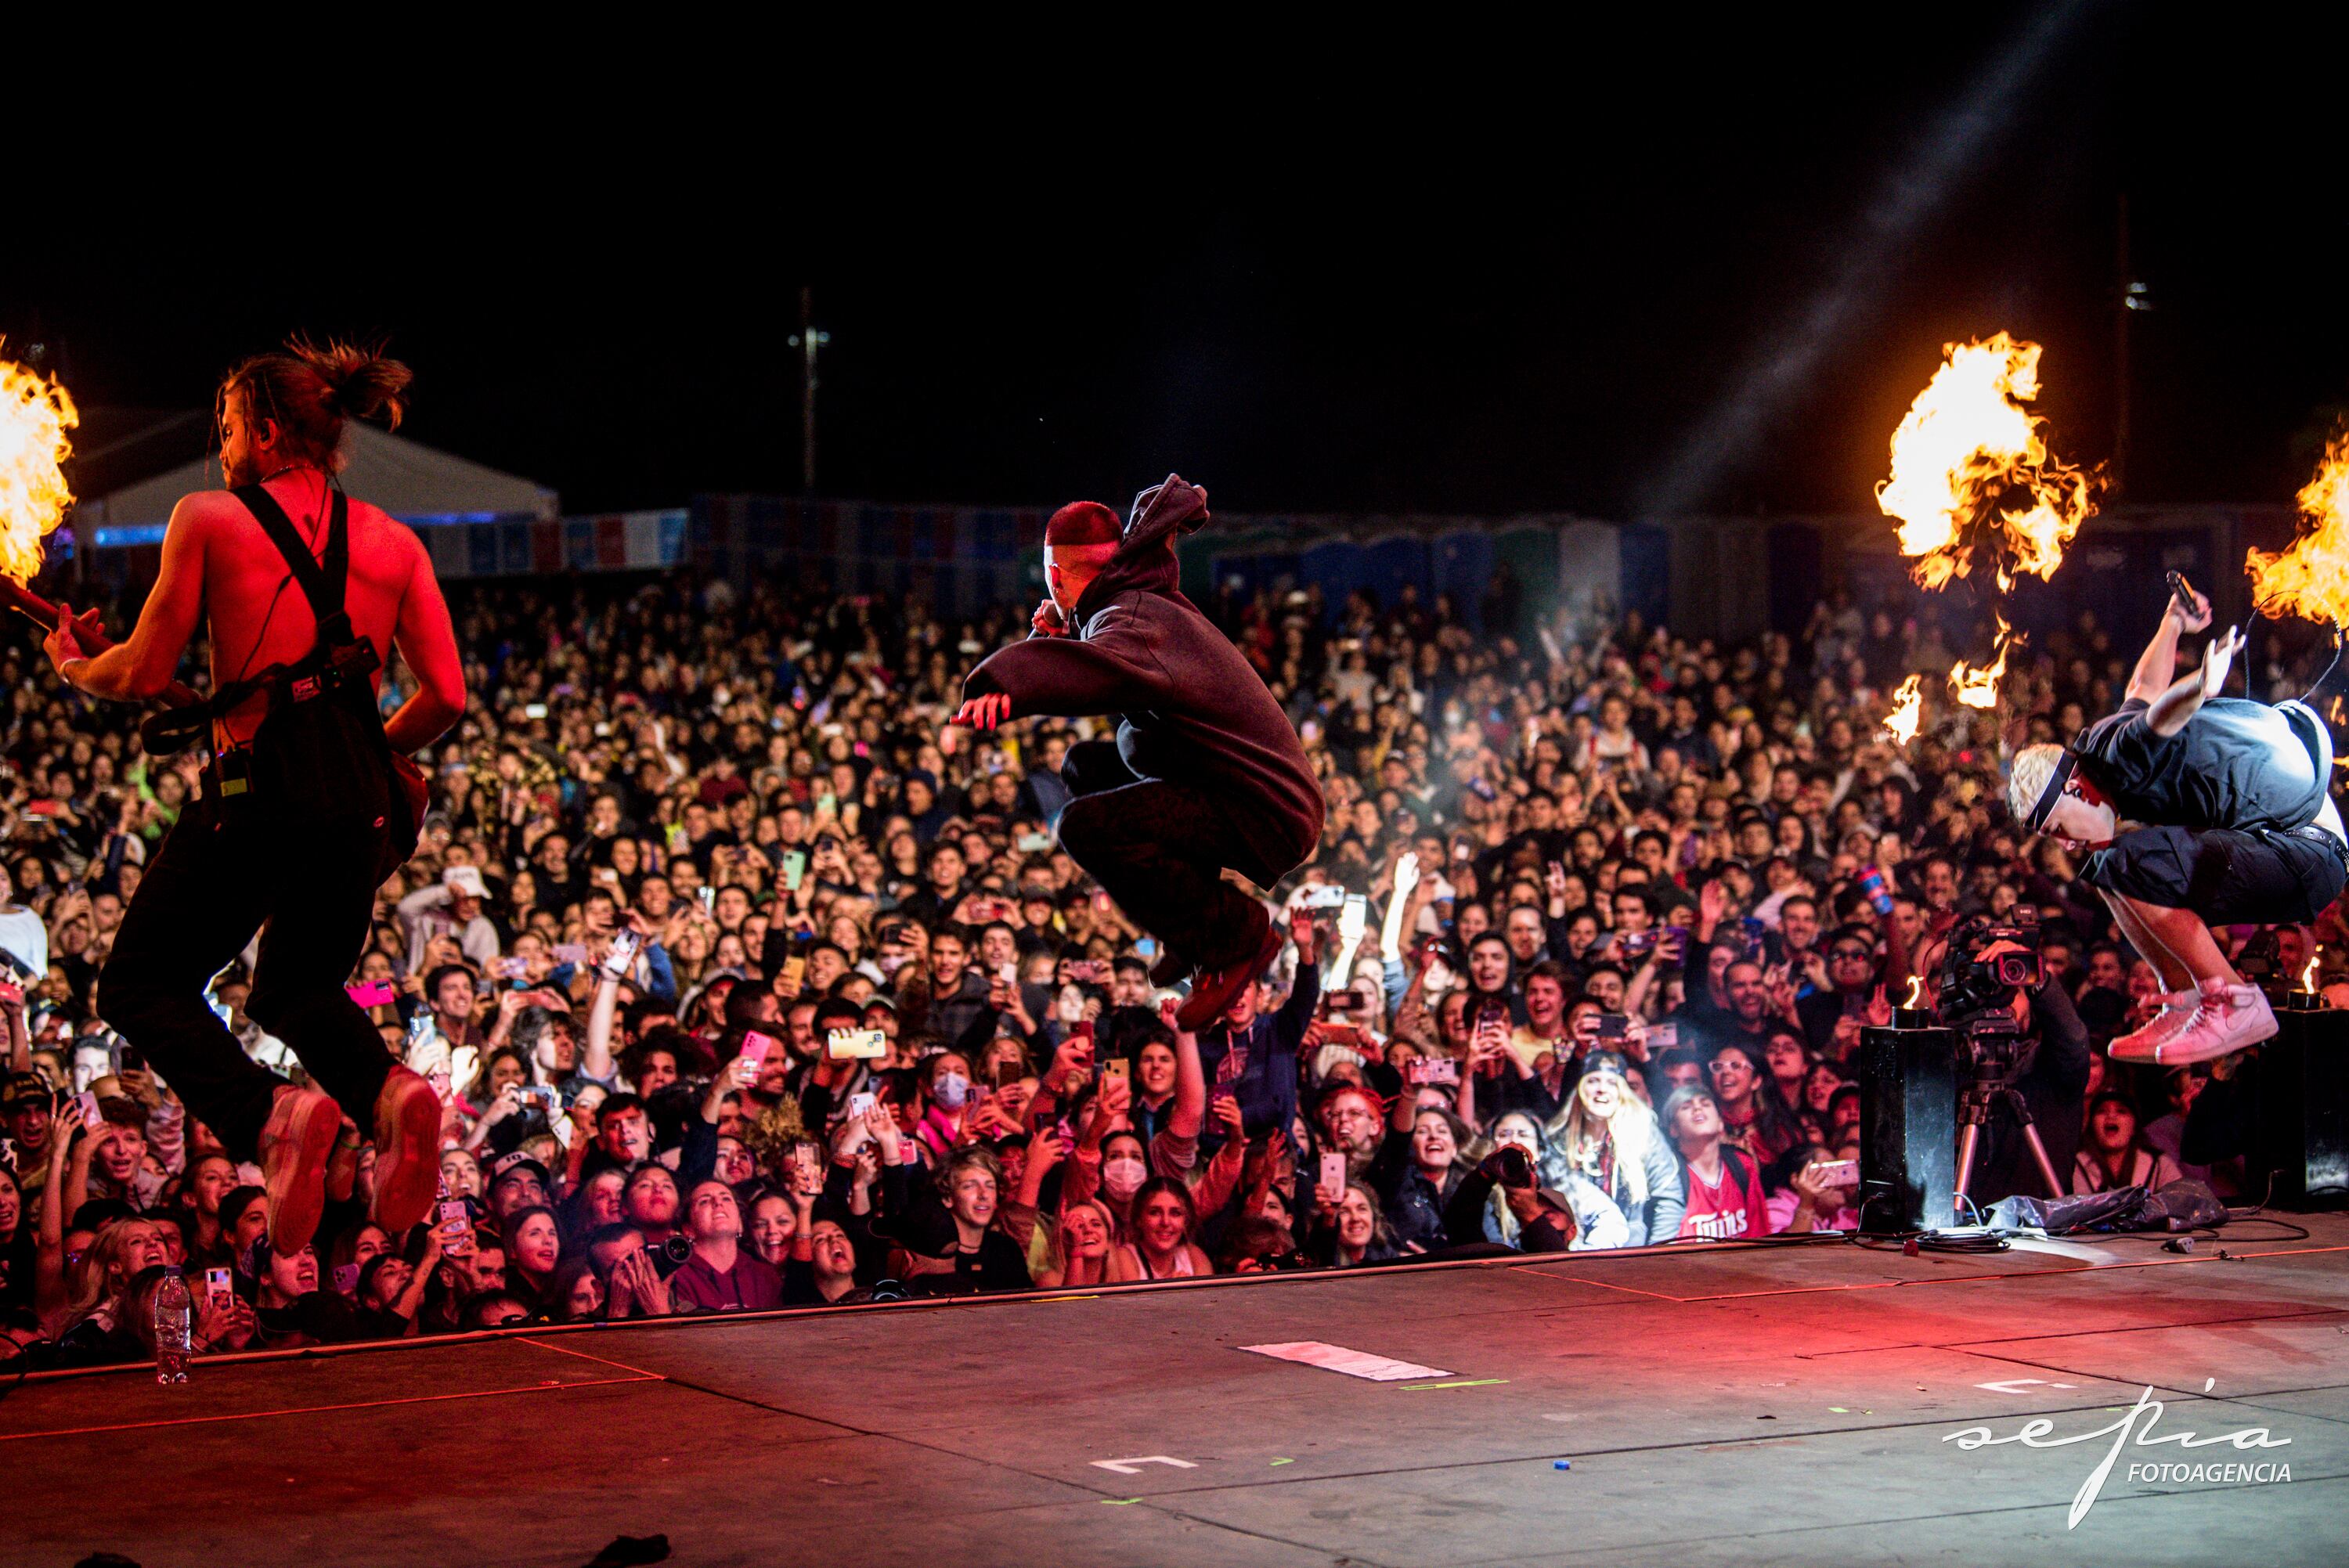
point(1159, 848)
point(2225, 875)
point(310, 889)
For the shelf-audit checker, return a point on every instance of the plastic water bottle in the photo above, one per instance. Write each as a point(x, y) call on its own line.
point(174, 1328)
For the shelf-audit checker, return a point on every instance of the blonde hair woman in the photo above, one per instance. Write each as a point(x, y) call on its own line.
point(1084, 1240)
point(1608, 1135)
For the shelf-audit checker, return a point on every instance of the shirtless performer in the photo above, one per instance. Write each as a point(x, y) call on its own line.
point(308, 801)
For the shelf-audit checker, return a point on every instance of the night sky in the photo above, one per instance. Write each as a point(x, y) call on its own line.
point(1470, 277)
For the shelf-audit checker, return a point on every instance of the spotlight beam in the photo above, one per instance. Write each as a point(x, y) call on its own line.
point(1785, 362)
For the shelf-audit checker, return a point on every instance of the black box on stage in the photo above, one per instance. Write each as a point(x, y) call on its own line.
point(1907, 1129)
point(2301, 1131)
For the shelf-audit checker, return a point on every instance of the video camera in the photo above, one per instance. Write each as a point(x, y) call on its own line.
point(2262, 960)
point(1986, 963)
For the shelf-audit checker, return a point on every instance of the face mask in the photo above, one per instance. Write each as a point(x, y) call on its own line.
point(950, 1090)
point(1121, 1179)
point(147, 1183)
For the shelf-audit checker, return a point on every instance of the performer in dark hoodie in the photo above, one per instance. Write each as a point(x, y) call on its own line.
point(1206, 772)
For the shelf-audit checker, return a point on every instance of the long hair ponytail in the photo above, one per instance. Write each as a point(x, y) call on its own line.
point(311, 390)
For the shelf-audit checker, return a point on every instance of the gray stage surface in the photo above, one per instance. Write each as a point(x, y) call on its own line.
point(1733, 1404)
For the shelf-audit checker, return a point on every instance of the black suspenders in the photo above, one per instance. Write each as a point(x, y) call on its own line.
point(321, 579)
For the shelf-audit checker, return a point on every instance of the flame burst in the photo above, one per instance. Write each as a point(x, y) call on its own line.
point(35, 415)
point(2308, 975)
point(2311, 579)
point(1976, 685)
point(1916, 989)
point(1908, 707)
point(1970, 471)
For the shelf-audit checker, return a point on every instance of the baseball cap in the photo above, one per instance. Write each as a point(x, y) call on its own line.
point(20, 1087)
point(464, 880)
point(1605, 1061)
point(517, 1162)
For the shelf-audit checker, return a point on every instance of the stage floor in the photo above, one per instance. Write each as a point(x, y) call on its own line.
point(1732, 1405)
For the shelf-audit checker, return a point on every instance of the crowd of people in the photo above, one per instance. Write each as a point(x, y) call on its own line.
point(748, 981)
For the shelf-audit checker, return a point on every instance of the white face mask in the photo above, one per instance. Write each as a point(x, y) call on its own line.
point(1121, 1179)
point(147, 1183)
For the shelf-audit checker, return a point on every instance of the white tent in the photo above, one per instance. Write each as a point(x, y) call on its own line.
point(414, 483)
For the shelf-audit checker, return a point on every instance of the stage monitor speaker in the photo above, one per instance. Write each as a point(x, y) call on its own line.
point(2301, 1131)
point(1908, 1130)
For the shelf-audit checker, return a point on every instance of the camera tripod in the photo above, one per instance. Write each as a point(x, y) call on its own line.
point(1974, 1102)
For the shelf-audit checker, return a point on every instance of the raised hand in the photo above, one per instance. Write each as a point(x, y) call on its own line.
point(1046, 1149)
point(1073, 1058)
point(882, 1123)
point(1354, 919)
point(1406, 874)
point(1115, 1098)
point(2192, 610)
point(1224, 1108)
point(2218, 657)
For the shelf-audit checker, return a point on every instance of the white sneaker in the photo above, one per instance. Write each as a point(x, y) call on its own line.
point(2139, 1044)
point(2229, 1018)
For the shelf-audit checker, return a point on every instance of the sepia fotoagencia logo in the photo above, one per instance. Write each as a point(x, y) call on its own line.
point(2136, 1426)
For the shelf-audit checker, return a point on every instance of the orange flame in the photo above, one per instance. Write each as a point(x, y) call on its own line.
point(2308, 975)
point(35, 415)
point(1916, 984)
point(1967, 441)
point(2311, 579)
point(1908, 707)
point(1976, 685)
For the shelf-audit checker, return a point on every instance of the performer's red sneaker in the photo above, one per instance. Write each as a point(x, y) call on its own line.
point(407, 1150)
point(1213, 990)
point(296, 1144)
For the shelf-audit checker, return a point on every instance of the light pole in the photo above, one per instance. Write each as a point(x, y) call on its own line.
point(807, 340)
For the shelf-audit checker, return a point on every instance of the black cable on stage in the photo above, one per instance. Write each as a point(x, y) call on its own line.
point(1915, 1242)
point(1997, 1241)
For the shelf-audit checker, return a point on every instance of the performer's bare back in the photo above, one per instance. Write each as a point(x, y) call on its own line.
point(218, 564)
